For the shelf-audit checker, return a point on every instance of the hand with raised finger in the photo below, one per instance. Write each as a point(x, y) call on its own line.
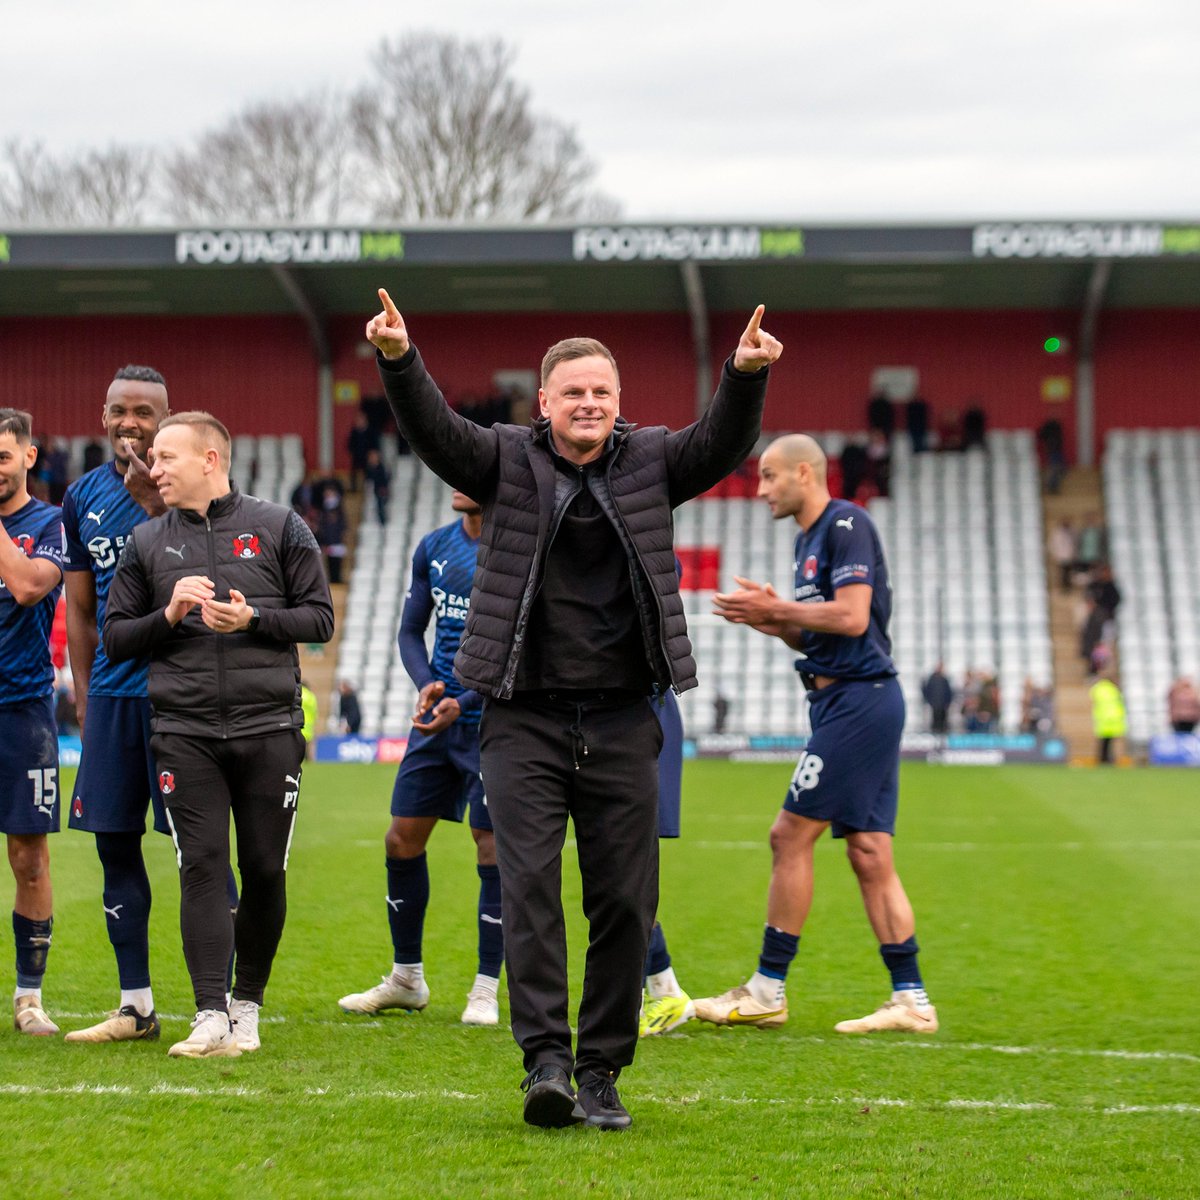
point(386, 329)
point(140, 485)
point(756, 348)
point(188, 592)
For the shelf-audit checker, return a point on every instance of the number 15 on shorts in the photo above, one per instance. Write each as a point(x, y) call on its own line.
point(45, 788)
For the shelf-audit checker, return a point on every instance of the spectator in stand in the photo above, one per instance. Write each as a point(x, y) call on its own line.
point(93, 455)
point(854, 469)
point(308, 707)
point(361, 441)
point(1037, 708)
point(1108, 715)
point(916, 417)
point(58, 467)
point(1092, 633)
point(881, 415)
point(380, 479)
point(950, 430)
point(879, 460)
point(1063, 551)
point(987, 703)
point(1104, 591)
point(938, 693)
point(1052, 448)
point(720, 712)
point(1089, 549)
point(1183, 705)
point(969, 698)
point(974, 429)
point(349, 710)
point(331, 530)
point(304, 501)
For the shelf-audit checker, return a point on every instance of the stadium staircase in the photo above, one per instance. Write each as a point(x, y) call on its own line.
point(1080, 495)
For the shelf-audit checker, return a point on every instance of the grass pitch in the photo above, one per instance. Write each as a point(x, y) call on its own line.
point(1058, 913)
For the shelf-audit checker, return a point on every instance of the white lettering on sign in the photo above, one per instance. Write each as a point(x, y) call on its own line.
point(678, 242)
point(1081, 239)
point(226, 246)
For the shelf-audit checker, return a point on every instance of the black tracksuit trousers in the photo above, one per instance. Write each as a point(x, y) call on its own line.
point(595, 761)
point(203, 780)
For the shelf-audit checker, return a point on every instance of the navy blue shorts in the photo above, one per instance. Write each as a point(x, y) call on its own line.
point(29, 767)
point(439, 777)
point(117, 777)
point(850, 774)
point(670, 765)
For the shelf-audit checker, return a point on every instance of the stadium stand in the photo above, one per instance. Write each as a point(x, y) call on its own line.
point(963, 533)
point(1152, 500)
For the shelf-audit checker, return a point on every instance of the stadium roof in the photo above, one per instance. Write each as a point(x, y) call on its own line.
point(693, 268)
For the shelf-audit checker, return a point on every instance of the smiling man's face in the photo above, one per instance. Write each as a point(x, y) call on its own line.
point(581, 399)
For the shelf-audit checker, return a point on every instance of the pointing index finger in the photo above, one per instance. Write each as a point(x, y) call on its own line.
point(388, 306)
point(755, 321)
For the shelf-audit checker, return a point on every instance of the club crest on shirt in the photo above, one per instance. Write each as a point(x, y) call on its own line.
point(24, 543)
point(810, 567)
point(166, 782)
point(245, 545)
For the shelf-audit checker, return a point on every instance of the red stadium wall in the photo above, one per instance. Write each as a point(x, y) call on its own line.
point(258, 373)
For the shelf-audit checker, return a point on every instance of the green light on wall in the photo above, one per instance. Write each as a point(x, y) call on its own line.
point(1052, 345)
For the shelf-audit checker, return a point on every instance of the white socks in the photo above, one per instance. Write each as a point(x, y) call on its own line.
point(914, 997)
point(767, 991)
point(663, 984)
point(408, 974)
point(485, 983)
point(140, 998)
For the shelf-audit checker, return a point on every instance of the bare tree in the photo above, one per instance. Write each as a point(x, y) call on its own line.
point(273, 162)
point(446, 132)
point(102, 188)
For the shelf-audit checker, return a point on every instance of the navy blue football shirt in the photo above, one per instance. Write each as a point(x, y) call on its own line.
point(842, 547)
point(99, 514)
point(443, 570)
point(36, 528)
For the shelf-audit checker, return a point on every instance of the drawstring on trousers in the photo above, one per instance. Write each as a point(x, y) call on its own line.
point(578, 740)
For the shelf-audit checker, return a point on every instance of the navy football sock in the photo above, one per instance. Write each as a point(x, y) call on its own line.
point(900, 958)
point(658, 957)
point(491, 931)
point(33, 945)
point(126, 902)
point(778, 950)
point(407, 899)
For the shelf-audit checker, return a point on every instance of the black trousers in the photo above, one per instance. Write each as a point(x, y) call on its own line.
point(203, 780)
point(597, 763)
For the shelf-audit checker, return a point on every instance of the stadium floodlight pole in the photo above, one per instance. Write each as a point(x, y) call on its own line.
point(693, 290)
point(295, 292)
point(1085, 369)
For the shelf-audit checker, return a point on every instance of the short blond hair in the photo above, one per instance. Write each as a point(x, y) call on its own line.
point(206, 421)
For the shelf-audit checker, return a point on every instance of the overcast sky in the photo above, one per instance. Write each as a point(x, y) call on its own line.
point(769, 110)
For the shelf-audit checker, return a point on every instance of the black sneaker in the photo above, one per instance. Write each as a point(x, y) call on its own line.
point(599, 1100)
point(549, 1099)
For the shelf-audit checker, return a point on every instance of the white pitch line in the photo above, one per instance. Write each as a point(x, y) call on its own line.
point(1076, 1051)
point(865, 1102)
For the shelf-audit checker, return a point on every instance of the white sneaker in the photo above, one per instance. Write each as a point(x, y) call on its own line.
point(243, 1019)
point(211, 1037)
point(482, 1008)
point(898, 1015)
point(391, 993)
point(30, 1017)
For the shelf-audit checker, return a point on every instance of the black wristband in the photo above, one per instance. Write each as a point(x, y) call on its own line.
point(252, 624)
